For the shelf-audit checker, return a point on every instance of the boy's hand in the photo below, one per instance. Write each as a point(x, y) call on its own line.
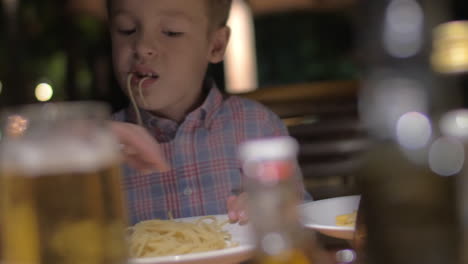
point(140, 150)
point(237, 208)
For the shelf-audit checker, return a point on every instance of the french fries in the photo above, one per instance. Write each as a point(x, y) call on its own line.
point(346, 219)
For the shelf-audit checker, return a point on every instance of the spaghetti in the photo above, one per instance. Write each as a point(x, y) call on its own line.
point(156, 238)
point(132, 99)
point(140, 91)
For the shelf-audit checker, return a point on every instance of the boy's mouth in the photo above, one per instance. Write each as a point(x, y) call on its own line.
point(145, 75)
point(143, 78)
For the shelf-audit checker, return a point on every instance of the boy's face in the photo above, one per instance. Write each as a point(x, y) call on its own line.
point(169, 41)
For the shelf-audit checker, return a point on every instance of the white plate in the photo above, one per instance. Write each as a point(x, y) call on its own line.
point(242, 252)
point(321, 215)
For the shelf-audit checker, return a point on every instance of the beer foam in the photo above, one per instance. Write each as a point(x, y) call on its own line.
point(60, 155)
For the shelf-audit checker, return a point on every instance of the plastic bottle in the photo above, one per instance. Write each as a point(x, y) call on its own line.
point(271, 182)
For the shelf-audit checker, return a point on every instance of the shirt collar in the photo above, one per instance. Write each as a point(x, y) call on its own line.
point(210, 106)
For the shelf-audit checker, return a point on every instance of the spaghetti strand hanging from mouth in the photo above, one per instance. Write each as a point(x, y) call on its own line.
point(132, 99)
point(140, 91)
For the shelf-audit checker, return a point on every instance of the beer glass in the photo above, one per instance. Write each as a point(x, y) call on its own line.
point(60, 191)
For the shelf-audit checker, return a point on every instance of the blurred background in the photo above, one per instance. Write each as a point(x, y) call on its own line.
point(296, 56)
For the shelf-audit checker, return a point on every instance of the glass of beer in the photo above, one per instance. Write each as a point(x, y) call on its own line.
point(60, 191)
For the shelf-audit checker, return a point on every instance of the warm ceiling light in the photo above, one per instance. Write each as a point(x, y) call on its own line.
point(450, 54)
point(241, 61)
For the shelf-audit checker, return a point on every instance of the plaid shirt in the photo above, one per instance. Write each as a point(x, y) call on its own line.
point(202, 153)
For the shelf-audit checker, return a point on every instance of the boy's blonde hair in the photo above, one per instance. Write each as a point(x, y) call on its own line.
point(218, 11)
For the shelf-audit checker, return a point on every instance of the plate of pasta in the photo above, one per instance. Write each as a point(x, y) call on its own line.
point(194, 240)
point(334, 217)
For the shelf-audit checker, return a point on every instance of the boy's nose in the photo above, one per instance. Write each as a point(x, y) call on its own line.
point(145, 48)
point(145, 51)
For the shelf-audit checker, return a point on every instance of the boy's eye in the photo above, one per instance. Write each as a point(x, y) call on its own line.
point(126, 31)
point(172, 34)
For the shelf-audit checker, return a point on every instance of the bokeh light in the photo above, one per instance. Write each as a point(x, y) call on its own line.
point(16, 125)
point(345, 256)
point(455, 124)
point(450, 53)
point(414, 130)
point(44, 92)
point(446, 156)
point(386, 97)
point(403, 28)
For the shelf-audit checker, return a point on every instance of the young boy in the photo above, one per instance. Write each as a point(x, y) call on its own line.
point(161, 51)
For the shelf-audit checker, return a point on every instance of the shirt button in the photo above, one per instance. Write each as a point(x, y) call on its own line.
point(188, 191)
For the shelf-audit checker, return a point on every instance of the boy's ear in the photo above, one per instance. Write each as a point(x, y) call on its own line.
point(219, 42)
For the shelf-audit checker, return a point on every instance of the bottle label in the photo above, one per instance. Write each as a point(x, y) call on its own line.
point(270, 171)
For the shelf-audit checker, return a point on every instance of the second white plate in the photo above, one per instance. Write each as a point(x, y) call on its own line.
point(321, 215)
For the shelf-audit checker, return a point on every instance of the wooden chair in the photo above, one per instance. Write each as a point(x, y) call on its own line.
point(323, 117)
